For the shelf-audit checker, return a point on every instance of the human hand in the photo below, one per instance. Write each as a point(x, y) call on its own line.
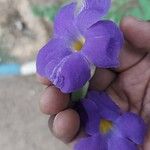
point(128, 85)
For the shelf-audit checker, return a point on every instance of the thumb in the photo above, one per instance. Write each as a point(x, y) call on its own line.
point(136, 32)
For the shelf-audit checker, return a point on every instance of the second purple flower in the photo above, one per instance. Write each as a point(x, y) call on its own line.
point(107, 128)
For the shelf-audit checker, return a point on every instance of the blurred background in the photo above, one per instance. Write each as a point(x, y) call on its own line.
point(25, 26)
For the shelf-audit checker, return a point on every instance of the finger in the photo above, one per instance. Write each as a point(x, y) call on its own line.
point(137, 33)
point(53, 101)
point(118, 98)
point(43, 80)
point(66, 125)
point(101, 79)
point(129, 57)
point(50, 122)
point(147, 140)
point(145, 112)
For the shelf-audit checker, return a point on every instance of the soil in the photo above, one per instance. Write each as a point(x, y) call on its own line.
point(21, 33)
point(22, 125)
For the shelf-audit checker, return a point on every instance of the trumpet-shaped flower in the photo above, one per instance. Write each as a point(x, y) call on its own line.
point(107, 127)
point(80, 40)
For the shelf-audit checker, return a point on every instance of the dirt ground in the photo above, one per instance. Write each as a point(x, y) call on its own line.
point(22, 34)
point(22, 126)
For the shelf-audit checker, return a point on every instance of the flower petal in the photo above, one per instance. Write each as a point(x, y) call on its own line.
point(55, 49)
point(64, 23)
point(89, 116)
point(116, 143)
point(95, 142)
point(71, 73)
point(101, 5)
point(103, 44)
point(107, 108)
point(86, 19)
point(115, 32)
point(91, 13)
point(132, 127)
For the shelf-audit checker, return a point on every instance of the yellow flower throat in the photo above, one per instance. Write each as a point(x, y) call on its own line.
point(78, 44)
point(105, 126)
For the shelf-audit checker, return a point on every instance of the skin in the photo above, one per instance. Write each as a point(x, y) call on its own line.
point(128, 85)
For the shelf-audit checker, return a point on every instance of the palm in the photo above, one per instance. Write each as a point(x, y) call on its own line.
point(132, 87)
point(131, 90)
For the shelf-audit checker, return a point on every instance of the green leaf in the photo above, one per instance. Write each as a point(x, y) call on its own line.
point(45, 11)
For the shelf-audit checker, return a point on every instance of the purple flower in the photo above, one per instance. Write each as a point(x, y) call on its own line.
point(80, 41)
point(107, 127)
